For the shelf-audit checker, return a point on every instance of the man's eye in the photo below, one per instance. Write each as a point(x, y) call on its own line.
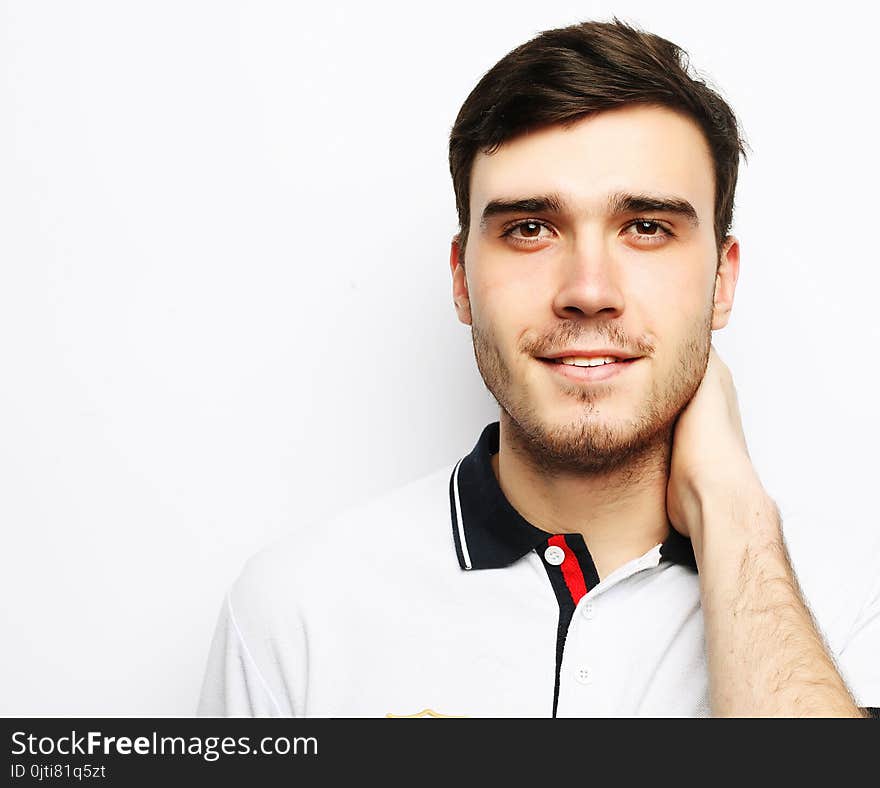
point(650, 231)
point(529, 231)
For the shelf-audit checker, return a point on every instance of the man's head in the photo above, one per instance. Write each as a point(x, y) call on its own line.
point(594, 181)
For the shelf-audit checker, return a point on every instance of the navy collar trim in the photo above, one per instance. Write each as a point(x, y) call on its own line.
point(489, 533)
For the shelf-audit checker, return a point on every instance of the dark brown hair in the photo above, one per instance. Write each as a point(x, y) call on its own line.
point(563, 75)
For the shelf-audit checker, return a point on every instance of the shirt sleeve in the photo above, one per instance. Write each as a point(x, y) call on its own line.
point(859, 659)
point(234, 685)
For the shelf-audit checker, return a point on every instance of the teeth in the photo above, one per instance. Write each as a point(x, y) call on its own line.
point(577, 361)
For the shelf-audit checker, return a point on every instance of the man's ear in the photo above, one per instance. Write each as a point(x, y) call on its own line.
point(460, 296)
point(725, 282)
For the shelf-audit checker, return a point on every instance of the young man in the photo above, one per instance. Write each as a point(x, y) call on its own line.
point(607, 548)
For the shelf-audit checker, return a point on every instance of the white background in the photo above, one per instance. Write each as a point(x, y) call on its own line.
point(226, 310)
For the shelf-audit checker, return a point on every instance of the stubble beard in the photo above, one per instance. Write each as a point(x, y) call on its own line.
point(593, 443)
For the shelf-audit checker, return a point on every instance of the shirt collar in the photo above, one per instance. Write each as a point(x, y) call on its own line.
point(489, 533)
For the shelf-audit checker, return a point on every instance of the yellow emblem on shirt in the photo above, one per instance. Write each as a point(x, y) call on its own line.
point(426, 713)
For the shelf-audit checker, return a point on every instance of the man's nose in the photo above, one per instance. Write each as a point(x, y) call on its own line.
point(588, 279)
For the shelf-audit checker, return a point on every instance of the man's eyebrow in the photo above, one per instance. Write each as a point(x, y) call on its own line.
point(617, 203)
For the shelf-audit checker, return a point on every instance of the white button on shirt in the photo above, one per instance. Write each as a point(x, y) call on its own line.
point(554, 555)
point(583, 674)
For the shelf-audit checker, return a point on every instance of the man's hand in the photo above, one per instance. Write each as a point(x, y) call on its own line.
point(708, 447)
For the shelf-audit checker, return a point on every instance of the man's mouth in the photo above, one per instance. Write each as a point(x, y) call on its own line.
point(586, 370)
point(575, 361)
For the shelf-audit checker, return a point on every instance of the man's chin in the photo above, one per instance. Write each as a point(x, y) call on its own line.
point(576, 426)
point(578, 423)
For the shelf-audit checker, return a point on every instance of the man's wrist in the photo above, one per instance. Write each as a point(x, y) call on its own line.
point(733, 509)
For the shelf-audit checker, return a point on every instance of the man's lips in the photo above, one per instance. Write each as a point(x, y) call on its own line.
point(588, 374)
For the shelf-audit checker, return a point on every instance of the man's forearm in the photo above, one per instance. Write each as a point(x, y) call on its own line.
point(766, 656)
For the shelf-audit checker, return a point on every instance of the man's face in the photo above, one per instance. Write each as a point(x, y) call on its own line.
point(540, 280)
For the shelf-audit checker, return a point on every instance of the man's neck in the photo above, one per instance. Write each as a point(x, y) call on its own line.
point(621, 516)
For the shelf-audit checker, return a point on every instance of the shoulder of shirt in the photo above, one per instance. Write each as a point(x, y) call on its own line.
point(411, 520)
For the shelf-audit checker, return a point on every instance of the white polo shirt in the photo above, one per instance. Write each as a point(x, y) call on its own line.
point(439, 598)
